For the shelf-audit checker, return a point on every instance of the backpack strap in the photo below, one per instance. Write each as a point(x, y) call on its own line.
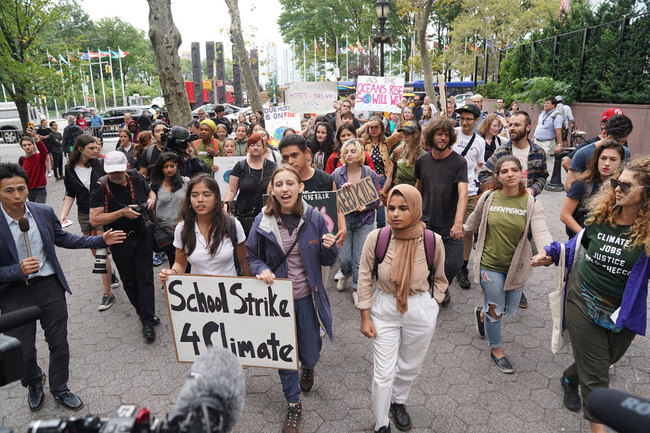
point(103, 184)
point(149, 153)
point(232, 234)
point(337, 177)
point(430, 253)
point(383, 240)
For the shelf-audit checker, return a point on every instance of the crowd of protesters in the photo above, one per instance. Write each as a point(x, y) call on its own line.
point(451, 182)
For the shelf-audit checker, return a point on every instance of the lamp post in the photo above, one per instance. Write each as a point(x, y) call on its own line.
point(382, 8)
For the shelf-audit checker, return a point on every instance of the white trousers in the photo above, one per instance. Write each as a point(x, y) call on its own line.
point(399, 348)
point(547, 145)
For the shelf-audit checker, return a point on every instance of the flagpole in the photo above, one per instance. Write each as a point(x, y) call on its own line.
point(347, 58)
point(315, 71)
point(49, 66)
point(119, 56)
point(358, 52)
point(401, 51)
point(4, 92)
point(304, 60)
point(74, 94)
point(65, 100)
point(337, 54)
point(101, 75)
point(110, 62)
point(390, 61)
point(92, 80)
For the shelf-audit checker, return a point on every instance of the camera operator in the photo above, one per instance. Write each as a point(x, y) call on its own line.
point(178, 140)
point(121, 200)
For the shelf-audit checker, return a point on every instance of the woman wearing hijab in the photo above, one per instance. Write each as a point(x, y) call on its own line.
point(401, 317)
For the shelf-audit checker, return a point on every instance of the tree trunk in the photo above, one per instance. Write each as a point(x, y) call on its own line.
point(421, 22)
point(252, 90)
point(166, 39)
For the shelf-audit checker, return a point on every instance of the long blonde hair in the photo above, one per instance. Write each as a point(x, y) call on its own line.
point(605, 210)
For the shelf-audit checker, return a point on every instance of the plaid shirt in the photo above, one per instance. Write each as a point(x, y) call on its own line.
point(537, 171)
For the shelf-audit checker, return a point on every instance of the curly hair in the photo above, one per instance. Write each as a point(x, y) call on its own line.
point(441, 124)
point(605, 210)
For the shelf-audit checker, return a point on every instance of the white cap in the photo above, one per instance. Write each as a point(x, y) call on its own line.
point(115, 161)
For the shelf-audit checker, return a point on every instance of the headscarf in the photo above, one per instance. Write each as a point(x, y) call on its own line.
point(405, 251)
point(211, 124)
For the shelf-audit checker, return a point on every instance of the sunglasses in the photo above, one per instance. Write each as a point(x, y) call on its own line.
point(625, 186)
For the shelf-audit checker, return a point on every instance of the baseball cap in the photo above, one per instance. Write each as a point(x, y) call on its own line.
point(410, 127)
point(115, 161)
point(469, 108)
point(559, 98)
point(609, 113)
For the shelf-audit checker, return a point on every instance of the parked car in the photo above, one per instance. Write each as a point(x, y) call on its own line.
point(10, 126)
point(114, 117)
point(74, 111)
point(462, 99)
point(233, 117)
point(209, 108)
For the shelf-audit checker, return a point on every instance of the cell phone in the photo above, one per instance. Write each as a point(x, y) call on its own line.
point(30, 124)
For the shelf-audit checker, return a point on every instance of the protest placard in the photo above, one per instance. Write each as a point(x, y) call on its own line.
point(254, 321)
point(277, 120)
point(360, 193)
point(222, 176)
point(379, 93)
point(312, 97)
point(325, 203)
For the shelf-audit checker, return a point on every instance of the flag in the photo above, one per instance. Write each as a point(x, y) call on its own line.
point(62, 59)
point(360, 47)
point(84, 56)
point(351, 47)
point(122, 53)
point(306, 48)
point(104, 54)
point(51, 58)
point(317, 47)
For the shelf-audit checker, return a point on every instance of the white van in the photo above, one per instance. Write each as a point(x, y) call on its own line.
point(10, 127)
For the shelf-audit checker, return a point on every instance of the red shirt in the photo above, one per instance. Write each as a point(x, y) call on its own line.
point(329, 167)
point(35, 167)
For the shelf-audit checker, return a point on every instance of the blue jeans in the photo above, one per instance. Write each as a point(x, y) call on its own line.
point(381, 212)
point(350, 254)
point(309, 346)
point(505, 303)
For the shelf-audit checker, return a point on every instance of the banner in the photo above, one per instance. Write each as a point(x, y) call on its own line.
point(222, 176)
point(312, 97)
point(325, 203)
point(254, 321)
point(277, 120)
point(360, 193)
point(379, 94)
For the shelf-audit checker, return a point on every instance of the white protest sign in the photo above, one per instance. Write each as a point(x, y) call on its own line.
point(222, 176)
point(379, 94)
point(312, 97)
point(254, 321)
point(277, 120)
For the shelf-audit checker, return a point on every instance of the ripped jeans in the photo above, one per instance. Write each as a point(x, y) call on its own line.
point(505, 303)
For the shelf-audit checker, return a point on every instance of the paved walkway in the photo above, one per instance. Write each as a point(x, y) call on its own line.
point(459, 389)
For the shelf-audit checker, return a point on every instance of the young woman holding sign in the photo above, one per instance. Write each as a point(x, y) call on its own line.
point(203, 237)
point(360, 222)
point(289, 239)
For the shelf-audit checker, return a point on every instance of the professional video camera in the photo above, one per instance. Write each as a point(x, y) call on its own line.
point(176, 138)
point(11, 350)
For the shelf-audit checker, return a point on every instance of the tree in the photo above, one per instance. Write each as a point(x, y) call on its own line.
point(166, 39)
point(242, 55)
point(421, 23)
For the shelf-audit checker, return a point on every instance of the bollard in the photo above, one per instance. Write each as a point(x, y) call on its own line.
point(555, 184)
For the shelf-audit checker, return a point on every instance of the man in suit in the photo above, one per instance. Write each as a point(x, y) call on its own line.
point(30, 274)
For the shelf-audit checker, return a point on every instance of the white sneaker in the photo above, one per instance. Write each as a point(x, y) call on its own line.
point(342, 283)
point(49, 174)
point(338, 275)
point(355, 298)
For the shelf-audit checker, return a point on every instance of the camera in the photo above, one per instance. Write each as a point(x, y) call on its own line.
point(100, 261)
point(144, 220)
point(176, 138)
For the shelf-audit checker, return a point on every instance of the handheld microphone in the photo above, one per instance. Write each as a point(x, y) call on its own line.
point(18, 318)
point(212, 398)
point(623, 412)
point(23, 223)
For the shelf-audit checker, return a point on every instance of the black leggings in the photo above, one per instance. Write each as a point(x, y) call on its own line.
point(57, 166)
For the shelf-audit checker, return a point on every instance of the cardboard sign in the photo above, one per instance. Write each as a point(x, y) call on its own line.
point(361, 193)
point(277, 120)
point(222, 176)
point(325, 203)
point(312, 97)
point(254, 321)
point(379, 94)
point(442, 89)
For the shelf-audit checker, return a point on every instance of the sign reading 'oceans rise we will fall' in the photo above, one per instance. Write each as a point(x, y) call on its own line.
point(379, 93)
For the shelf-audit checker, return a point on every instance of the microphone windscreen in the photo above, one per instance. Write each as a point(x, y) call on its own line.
point(623, 412)
point(216, 373)
point(18, 318)
point(23, 223)
point(180, 134)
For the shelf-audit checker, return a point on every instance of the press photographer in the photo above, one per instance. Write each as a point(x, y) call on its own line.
point(121, 200)
point(178, 140)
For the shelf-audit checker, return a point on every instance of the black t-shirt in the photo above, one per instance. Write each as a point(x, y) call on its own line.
point(320, 181)
point(580, 146)
point(135, 191)
point(145, 161)
point(439, 179)
point(355, 122)
point(43, 132)
point(252, 186)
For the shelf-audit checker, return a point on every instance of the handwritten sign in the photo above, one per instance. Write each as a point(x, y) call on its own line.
point(325, 203)
point(278, 119)
point(379, 93)
point(254, 321)
point(361, 193)
point(312, 97)
point(222, 176)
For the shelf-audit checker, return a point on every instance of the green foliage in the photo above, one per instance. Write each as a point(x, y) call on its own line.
point(533, 90)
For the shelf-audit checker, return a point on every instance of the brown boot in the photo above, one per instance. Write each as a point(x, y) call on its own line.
point(306, 379)
point(292, 421)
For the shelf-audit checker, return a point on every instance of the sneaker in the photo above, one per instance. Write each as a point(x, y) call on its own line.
point(292, 421)
point(306, 379)
point(355, 298)
point(342, 283)
point(338, 275)
point(463, 279)
point(502, 364)
point(401, 417)
point(572, 399)
point(148, 333)
point(523, 302)
point(384, 429)
point(49, 173)
point(157, 259)
point(115, 282)
point(447, 299)
point(480, 325)
point(107, 302)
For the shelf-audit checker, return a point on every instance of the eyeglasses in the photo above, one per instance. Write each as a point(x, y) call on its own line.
point(466, 119)
point(625, 186)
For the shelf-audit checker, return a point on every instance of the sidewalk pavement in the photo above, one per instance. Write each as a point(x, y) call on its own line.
point(458, 390)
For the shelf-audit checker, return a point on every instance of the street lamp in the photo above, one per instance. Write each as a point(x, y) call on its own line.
point(382, 8)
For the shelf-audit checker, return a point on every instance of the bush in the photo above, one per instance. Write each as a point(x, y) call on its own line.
point(533, 90)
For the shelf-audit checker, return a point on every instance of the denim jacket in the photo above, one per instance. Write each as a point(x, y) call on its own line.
point(633, 310)
point(265, 250)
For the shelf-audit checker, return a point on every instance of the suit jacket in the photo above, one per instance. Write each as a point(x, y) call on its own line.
point(51, 233)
